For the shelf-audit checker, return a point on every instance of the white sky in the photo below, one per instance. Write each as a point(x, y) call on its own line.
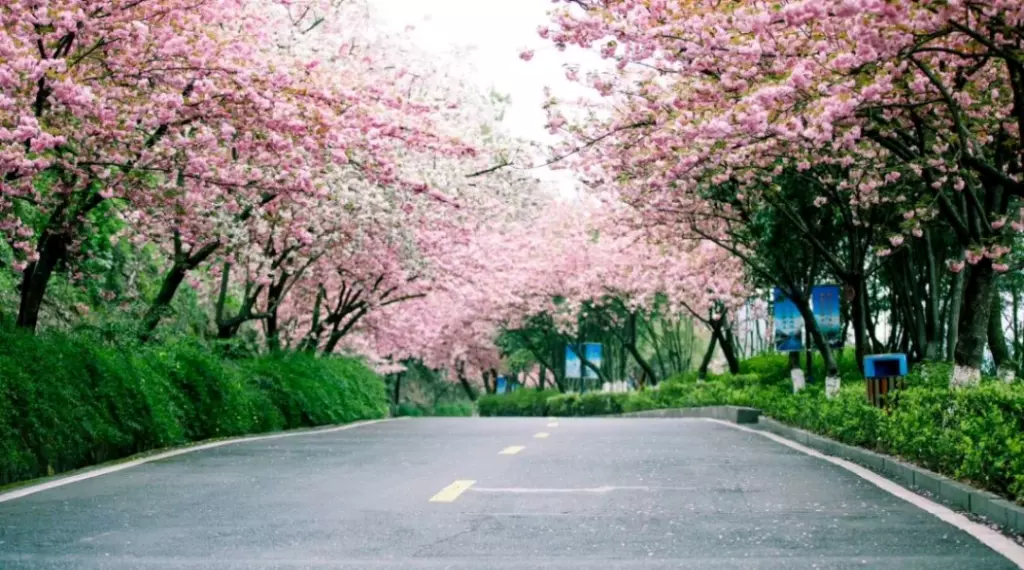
point(494, 33)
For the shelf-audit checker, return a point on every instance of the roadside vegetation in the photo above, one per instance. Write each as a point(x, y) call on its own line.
point(72, 400)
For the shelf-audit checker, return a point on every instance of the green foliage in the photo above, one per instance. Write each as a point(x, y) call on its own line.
point(587, 404)
point(409, 410)
point(773, 367)
point(518, 403)
point(454, 409)
point(931, 374)
point(71, 400)
point(451, 410)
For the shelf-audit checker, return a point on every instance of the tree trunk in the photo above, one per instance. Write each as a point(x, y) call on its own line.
point(273, 327)
point(858, 311)
point(972, 330)
point(795, 374)
point(52, 249)
point(956, 296)
point(997, 339)
point(933, 323)
point(398, 387)
point(161, 305)
point(183, 263)
point(702, 372)
point(460, 372)
point(804, 307)
point(726, 342)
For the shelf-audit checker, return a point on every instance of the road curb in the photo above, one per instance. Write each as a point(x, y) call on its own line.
point(734, 414)
point(953, 493)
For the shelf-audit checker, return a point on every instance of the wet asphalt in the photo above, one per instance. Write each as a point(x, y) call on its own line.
point(597, 493)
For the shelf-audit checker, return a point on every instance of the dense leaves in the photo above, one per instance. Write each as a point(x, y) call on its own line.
point(67, 401)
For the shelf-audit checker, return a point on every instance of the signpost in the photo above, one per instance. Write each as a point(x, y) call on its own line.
point(574, 367)
point(825, 306)
point(789, 325)
point(572, 362)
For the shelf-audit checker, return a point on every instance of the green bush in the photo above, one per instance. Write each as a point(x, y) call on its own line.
point(587, 404)
point(409, 410)
point(71, 400)
point(563, 405)
point(454, 409)
point(518, 403)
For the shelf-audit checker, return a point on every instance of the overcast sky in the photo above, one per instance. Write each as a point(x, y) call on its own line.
point(495, 32)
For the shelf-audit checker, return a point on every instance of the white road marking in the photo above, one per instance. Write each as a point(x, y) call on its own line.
point(553, 424)
point(33, 489)
point(989, 537)
point(512, 450)
point(541, 435)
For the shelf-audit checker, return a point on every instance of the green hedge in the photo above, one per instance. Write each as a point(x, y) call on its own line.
point(67, 401)
point(518, 403)
point(451, 410)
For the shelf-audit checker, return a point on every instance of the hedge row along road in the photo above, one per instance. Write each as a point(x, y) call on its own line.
point(467, 493)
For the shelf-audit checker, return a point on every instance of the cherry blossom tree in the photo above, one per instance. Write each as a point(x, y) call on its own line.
point(899, 106)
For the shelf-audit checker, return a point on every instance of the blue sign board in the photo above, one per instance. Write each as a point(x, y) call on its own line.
point(501, 385)
point(573, 364)
point(789, 325)
point(825, 306)
point(593, 352)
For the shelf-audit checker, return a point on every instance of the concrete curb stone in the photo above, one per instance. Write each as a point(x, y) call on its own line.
point(734, 414)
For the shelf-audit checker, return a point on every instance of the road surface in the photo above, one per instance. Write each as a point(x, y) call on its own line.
point(439, 494)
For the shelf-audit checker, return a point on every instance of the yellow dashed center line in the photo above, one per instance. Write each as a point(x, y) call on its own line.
point(451, 492)
point(512, 450)
point(541, 435)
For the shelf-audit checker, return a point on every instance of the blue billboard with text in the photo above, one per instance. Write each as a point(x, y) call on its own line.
point(789, 325)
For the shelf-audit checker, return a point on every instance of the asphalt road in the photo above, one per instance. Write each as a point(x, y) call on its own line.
point(595, 494)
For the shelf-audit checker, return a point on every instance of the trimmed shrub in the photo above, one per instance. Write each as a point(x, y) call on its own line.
point(587, 404)
point(71, 400)
point(407, 409)
point(518, 403)
point(455, 409)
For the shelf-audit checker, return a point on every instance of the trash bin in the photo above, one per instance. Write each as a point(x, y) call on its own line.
point(884, 374)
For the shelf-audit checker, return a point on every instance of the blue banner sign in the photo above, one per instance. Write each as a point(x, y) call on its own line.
point(573, 364)
point(592, 350)
point(825, 306)
point(501, 385)
point(789, 325)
